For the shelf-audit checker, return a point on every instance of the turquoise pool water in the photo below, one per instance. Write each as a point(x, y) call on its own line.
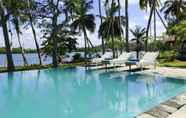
point(77, 93)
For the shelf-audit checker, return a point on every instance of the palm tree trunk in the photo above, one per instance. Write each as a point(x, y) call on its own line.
point(127, 25)
point(22, 50)
point(119, 13)
point(36, 43)
point(101, 20)
point(113, 47)
point(10, 64)
point(163, 22)
point(54, 50)
point(34, 33)
point(137, 48)
point(54, 35)
point(154, 27)
point(85, 39)
point(112, 36)
point(148, 25)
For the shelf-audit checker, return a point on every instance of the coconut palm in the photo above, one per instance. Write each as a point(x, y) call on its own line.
point(84, 21)
point(152, 4)
point(174, 10)
point(3, 20)
point(31, 5)
point(15, 8)
point(16, 24)
point(112, 26)
point(101, 21)
point(139, 36)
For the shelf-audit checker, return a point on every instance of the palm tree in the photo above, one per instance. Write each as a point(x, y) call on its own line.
point(152, 4)
point(101, 21)
point(18, 32)
point(84, 21)
point(15, 7)
point(127, 25)
point(174, 10)
point(112, 26)
point(31, 15)
point(3, 19)
point(139, 36)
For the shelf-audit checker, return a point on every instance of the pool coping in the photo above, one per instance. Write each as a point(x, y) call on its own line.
point(173, 108)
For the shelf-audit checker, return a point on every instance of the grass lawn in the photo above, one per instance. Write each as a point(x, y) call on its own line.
point(176, 64)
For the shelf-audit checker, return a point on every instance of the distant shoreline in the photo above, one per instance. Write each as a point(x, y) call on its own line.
point(18, 51)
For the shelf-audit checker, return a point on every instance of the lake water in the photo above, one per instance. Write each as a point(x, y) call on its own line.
point(32, 58)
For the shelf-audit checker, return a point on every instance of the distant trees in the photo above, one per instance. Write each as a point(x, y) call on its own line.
point(139, 37)
point(63, 21)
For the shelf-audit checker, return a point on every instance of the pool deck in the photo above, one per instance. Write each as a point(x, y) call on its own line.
point(173, 108)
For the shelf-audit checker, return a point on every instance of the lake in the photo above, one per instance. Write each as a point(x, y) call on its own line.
point(32, 58)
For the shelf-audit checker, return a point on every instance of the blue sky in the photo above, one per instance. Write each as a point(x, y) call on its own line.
point(136, 17)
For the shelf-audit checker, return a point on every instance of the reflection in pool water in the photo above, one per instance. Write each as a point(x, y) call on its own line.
point(78, 93)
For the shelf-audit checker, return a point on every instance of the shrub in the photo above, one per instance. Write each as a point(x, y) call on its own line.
point(77, 57)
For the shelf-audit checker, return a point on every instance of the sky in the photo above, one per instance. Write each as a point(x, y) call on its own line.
point(136, 17)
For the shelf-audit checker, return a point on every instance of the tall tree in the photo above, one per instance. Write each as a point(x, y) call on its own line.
point(15, 8)
point(49, 12)
point(112, 26)
point(101, 21)
point(139, 36)
point(84, 21)
point(31, 14)
point(127, 25)
point(3, 18)
point(18, 32)
point(150, 4)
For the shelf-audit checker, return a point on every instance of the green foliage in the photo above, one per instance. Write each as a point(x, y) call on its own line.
point(17, 50)
point(174, 10)
point(179, 30)
point(168, 56)
point(77, 58)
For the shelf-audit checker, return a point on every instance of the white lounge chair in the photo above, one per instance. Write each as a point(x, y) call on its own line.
point(120, 60)
point(150, 58)
point(107, 55)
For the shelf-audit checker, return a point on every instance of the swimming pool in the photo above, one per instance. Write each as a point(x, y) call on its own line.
point(80, 93)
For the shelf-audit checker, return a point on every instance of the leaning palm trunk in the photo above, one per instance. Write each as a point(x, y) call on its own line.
point(10, 64)
point(34, 34)
point(22, 50)
point(101, 20)
point(154, 27)
point(36, 43)
point(85, 39)
point(148, 25)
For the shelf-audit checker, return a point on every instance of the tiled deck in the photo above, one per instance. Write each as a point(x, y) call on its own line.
point(173, 108)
